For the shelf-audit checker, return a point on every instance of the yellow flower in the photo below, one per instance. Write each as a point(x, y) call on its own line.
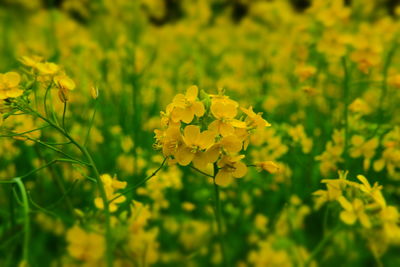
point(268, 166)
point(390, 218)
point(374, 192)
point(64, 82)
point(391, 154)
point(9, 85)
point(188, 206)
point(224, 110)
point(353, 212)
point(195, 143)
point(230, 166)
point(360, 106)
point(142, 243)
point(168, 140)
point(110, 185)
point(333, 44)
point(231, 143)
point(299, 135)
point(255, 120)
point(186, 106)
point(47, 68)
point(363, 148)
point(367, 54)
point(31, 61)
point(261, 222)
point(304, 72)
point(87, 247)
point(334, 190)
point(395, 81)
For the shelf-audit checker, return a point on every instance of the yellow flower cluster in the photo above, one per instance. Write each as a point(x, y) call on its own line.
point(49, 74)
point(111, 185)
point(390, 158)
point(85, 246)
point(364, 204)
point(142, 244)
point(206, 131)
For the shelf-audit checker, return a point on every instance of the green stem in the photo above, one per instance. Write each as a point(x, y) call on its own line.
point(63, 116)
point(217, 211)
point(386, 66)
point(24, 133)
point(54, 149)
point(346, 80)
point(46, 111)
point(321, 245)
point(103, 195)
point(12, 180)
point(141, 182)
point(199, 171)
point(91, 123)
point(100, 185)
point(27, 229)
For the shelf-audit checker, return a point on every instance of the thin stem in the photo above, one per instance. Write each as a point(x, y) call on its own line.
point(54, 149)
point(141, 182)
point(23, 133)
point(59, 143)
point(103, 196)
point(199, 171)
point(27, 229)
point(100, 185)
point(12, 180)
point(386, 66)
point(217, 211)
point(46, 111)
point(34, 204)
point(91, 123)
point(11, 207)
point(63, 116)
point(55, 203)
point(321, 245)
point(346, 80)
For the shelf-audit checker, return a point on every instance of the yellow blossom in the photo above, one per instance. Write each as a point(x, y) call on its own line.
point(195, 143)
point(64, 82)
point(268, 166)
point(111, 185)
point(254, 119)
point(185, 107)
point(225, 110)
point(9, 85)
point(353, 212)
point(230, 166)
point(304, 72)
point(47, 68)
point(84, 246)
point(361, 147)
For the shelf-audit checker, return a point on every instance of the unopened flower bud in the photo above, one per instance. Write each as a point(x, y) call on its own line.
point(94, 91)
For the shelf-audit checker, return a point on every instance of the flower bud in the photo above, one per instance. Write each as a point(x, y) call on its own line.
point(94, 91)
point(63, 95)
point(268, 166)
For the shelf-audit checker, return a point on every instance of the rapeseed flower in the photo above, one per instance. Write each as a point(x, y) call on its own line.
point(9, 85)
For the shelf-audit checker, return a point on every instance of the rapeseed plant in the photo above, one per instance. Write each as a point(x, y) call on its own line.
point(81, 87)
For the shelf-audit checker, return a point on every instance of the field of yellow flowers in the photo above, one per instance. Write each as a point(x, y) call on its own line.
point(199, 133)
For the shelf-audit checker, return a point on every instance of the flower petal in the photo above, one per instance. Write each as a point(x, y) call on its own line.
point(223, 178)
